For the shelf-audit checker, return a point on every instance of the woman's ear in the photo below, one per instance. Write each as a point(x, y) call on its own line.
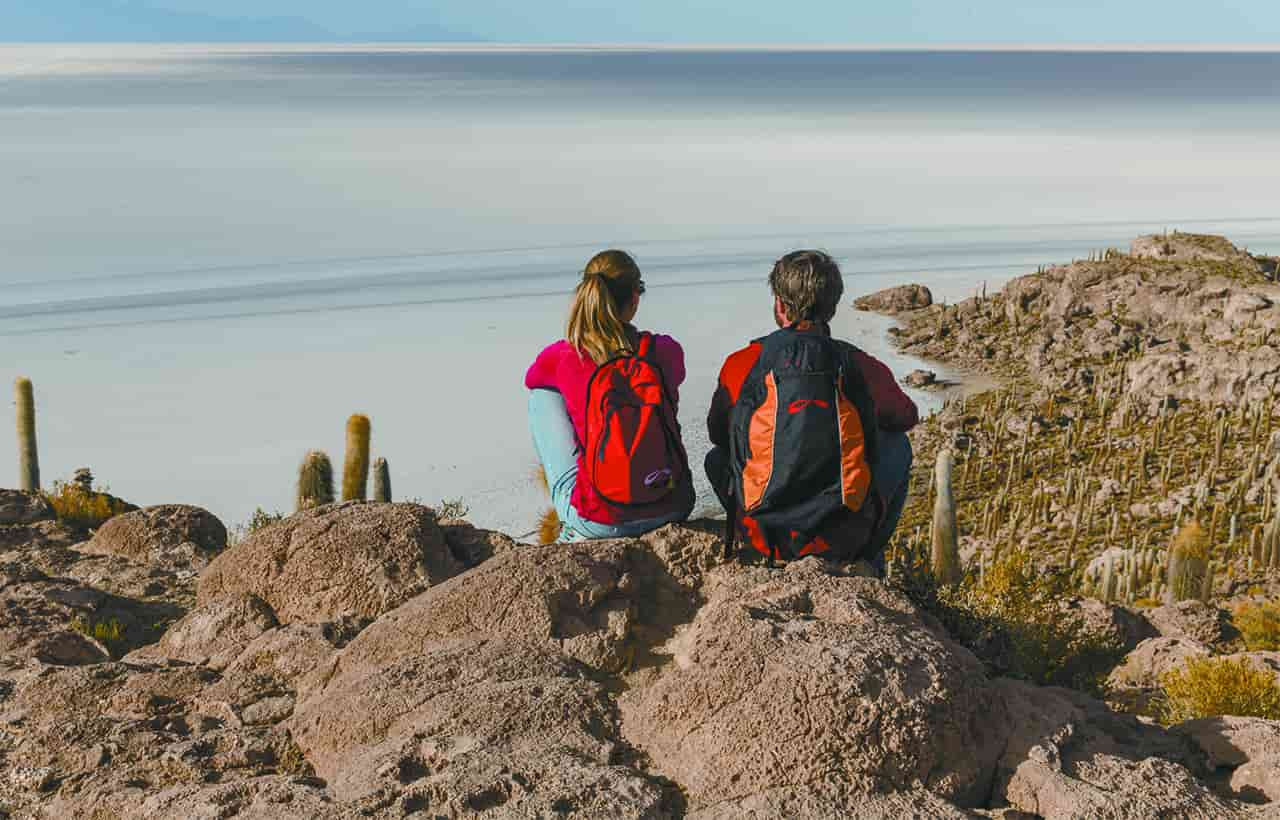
point(633, 307)
point(780, 312)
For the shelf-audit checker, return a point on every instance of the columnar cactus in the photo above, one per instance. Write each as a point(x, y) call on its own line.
point(315, 481)
point(381, 481)
point(355, 469)
point(1188, 563)
point(28, 459)
point(946, 550)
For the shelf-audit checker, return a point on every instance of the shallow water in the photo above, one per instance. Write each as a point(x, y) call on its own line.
point(213, 256)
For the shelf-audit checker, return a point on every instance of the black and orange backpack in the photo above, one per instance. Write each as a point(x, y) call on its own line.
point(802, 439)
point(633, 455)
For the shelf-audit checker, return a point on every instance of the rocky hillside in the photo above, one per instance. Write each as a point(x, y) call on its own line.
point(369, 660)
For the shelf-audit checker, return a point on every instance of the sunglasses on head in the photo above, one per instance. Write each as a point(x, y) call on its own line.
point(640, 287)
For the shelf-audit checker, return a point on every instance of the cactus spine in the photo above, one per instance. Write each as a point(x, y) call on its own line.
point(355, 469)
point(315, 481)
point(381, 481)
point(28, 459)
point(946, 551)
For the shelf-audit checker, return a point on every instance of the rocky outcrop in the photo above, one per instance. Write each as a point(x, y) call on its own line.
point(1068, 757)
point(1244, 751)
point(1124, 627)
point(18, 507)
point(1197, 312)
point(1195, 620)
point(637, 678)
point(177, 536)
point(356, 559)
point(878, 700)
point(1179, 246)
point(214, 634)
point(899, 299)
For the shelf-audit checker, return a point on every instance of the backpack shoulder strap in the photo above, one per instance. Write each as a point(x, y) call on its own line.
point(645, 347)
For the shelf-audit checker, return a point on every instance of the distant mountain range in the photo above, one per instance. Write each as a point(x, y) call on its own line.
point(128, 21)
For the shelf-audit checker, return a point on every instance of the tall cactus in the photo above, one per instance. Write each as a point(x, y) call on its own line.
point(946, 551)
point(315, 481)
point(355, 470)
point(381, 481)
point(1188, 563)
point(28, 459)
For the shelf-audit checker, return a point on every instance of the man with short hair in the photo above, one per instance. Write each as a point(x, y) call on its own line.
point(810, 453)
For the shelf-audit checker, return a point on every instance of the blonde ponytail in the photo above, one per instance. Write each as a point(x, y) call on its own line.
point(595, 324)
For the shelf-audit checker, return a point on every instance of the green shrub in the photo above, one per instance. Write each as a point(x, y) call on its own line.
point(1208, 687)
point(1259, 624)
point(1013, 619)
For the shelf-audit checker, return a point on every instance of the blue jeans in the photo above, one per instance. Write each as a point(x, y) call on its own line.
point(557, 447)
point(890, 478)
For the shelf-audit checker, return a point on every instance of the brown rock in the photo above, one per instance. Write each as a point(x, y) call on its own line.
point(1123, 626)
point(1069, 757)
point(1196, 620)
point(786, 681)
point(1152, 659)
point(1179, 246)
point(476, 690)
point(899, 299)
point(834, 800)
point(350, 559)
point(175, 535)
point(920, 379)
point(470, 724)
point(1230, 741)
point(1258, 780)
point(18, 507)
point(37, 536)
point(213, 634)
point(146, 732)
point(471, 545)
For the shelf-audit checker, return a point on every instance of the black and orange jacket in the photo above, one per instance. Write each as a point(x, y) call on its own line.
point(893, 411)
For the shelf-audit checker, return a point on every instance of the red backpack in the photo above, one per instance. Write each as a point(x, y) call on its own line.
point(633, 455)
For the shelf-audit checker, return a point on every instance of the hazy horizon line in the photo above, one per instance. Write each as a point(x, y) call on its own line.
point(516, 46)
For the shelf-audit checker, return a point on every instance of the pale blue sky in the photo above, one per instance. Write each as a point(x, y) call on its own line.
point(665, 21)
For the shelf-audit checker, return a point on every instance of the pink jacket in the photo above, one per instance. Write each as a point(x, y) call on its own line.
point(561, 367)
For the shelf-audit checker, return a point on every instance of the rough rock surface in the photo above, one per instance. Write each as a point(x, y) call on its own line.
point(1124, 626)
point(1230, 741)
point(921, 379)
point(1068, 756)
point(214, 634)
point(172, 535)
point(637, 678)
point(356, 558)
point(879, 701)
point(480, 691)
point(1196, 620)
point(1199, 318)
point(1136, 681)
point(899, 299)
point(18, 507)
point(1246, 750)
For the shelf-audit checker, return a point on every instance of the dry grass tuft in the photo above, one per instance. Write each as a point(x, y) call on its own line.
point(1014, 621)
point(1259, 624)
point(1209, 687)
point(82, 509)
point(549, 527)
point(109, 634)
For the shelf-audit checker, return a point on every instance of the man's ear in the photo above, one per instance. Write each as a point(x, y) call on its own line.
point(780, 312)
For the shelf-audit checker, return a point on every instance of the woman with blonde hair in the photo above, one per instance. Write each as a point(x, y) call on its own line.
point(602, 411)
